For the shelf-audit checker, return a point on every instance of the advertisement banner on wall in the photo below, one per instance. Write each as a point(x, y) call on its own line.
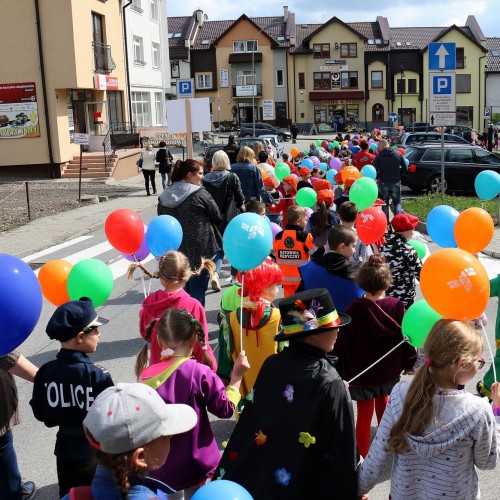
point(268, 109)
point(18, 111)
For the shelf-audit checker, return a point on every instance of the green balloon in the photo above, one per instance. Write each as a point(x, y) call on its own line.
point(306, 197)
point(90, 278)
point(306, 152)
point(281, 170)
point(335, 144)
point(418, 322)
point(318, 143)
point(363, 192)
point(420, 247)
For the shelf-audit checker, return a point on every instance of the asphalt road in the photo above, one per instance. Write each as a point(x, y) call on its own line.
point(120, 342)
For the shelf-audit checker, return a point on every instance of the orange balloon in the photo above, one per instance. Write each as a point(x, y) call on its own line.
point(455, 284)
point(294, 152)
point(53, 276)
point(350, 172)
point(263, 174)
point(473, 229)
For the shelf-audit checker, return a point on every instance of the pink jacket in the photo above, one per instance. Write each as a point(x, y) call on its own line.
point(156, 304)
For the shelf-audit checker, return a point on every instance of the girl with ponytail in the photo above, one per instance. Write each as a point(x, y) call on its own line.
point(173, 273)
point(321, 221)
point(178, 378)
point(374, 330)
point(433, 432)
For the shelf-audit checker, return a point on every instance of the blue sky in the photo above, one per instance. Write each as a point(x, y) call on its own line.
point(398, 12)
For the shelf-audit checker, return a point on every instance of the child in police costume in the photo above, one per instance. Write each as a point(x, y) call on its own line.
point(64, 389)
point(295, 440)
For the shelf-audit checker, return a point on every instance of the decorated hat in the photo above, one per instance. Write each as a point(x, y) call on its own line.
point(292, 180)
point(349, 182)
point(269, 182)
point(404, 222)
point(309, 313)
point(322, 184)
point(325, 195)
point(304, 171)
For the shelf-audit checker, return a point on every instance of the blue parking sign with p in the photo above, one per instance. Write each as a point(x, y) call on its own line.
point(442, 85)
point(185, 87)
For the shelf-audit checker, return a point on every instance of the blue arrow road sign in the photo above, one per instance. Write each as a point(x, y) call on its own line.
point(442, 56)
point(393, 117)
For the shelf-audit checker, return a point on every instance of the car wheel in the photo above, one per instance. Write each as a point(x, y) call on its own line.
point(434, 185)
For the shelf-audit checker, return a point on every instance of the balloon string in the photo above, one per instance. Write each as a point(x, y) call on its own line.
point(491, 352)
point(142, 277)
point(378, 361)
point(241, 310)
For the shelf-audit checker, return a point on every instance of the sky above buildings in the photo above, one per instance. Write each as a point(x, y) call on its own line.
point(398, 12)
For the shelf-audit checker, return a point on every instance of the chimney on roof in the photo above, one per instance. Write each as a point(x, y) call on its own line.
point(477, 33)
point(385, 31)
point(199, 17)
point(285, 13)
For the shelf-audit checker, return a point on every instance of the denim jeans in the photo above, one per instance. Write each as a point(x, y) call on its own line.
point(217, 260)
point(391, 190)
point(197, 286)
point(164, 180)
point(10, 477)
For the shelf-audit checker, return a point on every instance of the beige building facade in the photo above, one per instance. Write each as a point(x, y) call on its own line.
point(71, 56)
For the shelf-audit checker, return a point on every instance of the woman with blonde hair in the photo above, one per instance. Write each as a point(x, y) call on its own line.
point(225, 188)
point(434, 433)
point(250, 177)
point(173, 272)
point(148, 168)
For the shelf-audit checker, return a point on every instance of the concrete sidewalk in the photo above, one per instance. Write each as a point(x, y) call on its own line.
point(47, 231)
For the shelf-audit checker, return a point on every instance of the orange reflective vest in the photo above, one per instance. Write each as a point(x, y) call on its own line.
point(292, 247)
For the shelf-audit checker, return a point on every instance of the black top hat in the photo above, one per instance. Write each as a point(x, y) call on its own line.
point(71, 318)
point(309, 313)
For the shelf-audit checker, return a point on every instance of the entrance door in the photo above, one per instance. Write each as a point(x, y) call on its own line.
point(94, 117)
point(115, 110)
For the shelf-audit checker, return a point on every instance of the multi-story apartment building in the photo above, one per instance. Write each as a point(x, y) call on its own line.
point(149, 65)
point(64, 75)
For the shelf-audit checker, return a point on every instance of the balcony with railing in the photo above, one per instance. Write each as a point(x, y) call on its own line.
point(247, 90)
point(102, 58)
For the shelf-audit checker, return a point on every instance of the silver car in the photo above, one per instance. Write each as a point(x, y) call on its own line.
point(277, 145)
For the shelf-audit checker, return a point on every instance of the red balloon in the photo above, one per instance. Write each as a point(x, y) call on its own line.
point(401, 150)
point(371, 225)
point(124, 230)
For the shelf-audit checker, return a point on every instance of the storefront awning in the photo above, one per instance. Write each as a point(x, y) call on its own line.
point(335, 96)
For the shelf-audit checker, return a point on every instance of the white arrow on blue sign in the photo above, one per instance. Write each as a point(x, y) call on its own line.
point(393, 117)
point(442, 56)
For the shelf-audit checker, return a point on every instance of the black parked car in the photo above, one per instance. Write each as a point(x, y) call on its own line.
point(414, 137)
point(419, 127)
point(207, 156)
point(463, 162)
point(264, 128)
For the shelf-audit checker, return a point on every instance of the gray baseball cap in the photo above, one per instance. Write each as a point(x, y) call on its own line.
point(127, 416)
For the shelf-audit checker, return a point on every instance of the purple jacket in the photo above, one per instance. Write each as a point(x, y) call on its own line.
point(193, 455)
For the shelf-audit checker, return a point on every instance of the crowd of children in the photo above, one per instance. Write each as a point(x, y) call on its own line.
point(293, 367)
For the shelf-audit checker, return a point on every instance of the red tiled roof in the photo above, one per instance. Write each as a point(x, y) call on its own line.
point(211, 30)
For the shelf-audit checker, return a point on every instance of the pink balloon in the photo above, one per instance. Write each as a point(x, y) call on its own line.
point(335, 163)
point(315, 161)
point(309, 212)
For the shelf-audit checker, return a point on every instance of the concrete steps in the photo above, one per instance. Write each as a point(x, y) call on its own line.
point(93, 166)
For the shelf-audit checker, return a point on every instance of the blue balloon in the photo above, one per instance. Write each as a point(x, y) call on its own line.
point(306, 162)
point(407, 162)
point(369, 171)
point(222, 490)
point(440, 225)
point(247, 241)
point(330, 175)
point(323, 167)
point(487, 184)
point(164, 233)
point(20, 302)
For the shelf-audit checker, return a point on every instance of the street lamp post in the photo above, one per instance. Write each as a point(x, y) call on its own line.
point(254, 86)
point(401, 93)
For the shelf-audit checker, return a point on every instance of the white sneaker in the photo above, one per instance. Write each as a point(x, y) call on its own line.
point(215, 282)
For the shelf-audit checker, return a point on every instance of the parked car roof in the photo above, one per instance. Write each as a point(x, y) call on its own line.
point(415, 137)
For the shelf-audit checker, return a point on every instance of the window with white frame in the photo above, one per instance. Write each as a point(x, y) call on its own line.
point(158, 108)
point(245, 77)
point(153, 10)
point(280, 78)
point(155, 51)
point(141, 109)
point(252, 46)
point(136, 5)
point(138, 50)
point(238, 46)
point(203, 80)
